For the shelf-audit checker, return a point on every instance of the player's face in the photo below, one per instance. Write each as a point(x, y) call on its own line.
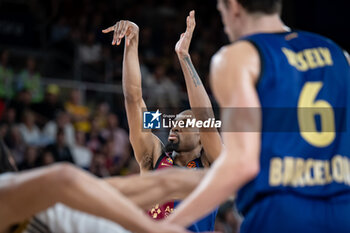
point(183, 139)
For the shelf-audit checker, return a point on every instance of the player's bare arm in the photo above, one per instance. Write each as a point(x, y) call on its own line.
point(198, 97)
point(234, 73)
point(28, 193)
point(347, 56)
point(146, 145)
point(158, 187)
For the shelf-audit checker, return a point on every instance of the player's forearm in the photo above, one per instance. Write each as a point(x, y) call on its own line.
point(172, 184)
point(201, 107)
point(131, 185)
point(131, 73)
point(145, 191)
point(196, 92)
point(181, 182)
point(158, 187)
point(226, 176)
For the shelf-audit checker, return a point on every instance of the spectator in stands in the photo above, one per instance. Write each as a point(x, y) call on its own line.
point(29, 130)
point(101, 115)
point(161, 91)
point(45, 158)
point(114, 163)
point(48, 108)
point(78, 112)
point(21, 104)
point(30, 158)
point(98, 165)
point(3, 130)
point(30, 79)
point(94, 138)
point(13, 137)
point(81, 154)
point(6, 77)
point(90, 55)
point(9, 119)
point(62, 121)
point(16, 145)
point(60, 149)
point(10, 116)
point(119, 137)
point(60, 30)
point(90, 52)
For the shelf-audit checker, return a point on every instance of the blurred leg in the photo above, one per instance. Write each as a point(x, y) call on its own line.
point(28, 193)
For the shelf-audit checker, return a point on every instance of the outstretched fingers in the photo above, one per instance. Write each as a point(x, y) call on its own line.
point(191, 21)
point(124, 29)
point(119, 31)
point(107, 30)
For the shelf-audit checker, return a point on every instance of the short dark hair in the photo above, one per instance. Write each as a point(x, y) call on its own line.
point(260, 6)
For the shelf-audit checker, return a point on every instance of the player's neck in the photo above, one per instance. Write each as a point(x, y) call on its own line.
point(183, 158)
point(262, 24)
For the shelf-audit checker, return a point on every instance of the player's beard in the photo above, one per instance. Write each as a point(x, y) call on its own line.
point(171, 146)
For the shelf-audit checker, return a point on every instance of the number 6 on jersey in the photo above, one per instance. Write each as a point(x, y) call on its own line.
point(308, 108)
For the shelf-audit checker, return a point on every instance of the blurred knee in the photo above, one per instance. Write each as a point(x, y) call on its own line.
point(65, 174)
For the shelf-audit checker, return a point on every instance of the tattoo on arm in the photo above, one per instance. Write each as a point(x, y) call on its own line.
point(196, 80)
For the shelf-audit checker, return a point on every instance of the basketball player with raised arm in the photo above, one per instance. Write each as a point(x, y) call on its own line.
point(286, 141)
point(195, 148)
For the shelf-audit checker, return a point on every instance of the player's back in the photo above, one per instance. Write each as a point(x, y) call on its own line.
point(304, 90)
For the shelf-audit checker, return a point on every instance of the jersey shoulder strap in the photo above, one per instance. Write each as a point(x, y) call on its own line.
point(164, 160)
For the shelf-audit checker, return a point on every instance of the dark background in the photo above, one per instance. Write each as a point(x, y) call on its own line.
point(27, 27)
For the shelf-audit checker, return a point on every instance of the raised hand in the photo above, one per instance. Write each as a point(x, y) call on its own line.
point(183, 45)
point(121, 29)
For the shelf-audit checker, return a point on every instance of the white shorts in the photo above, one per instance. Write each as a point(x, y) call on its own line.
point(62, 219)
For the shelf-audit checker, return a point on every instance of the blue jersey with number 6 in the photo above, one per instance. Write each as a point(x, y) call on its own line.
point(304, 90)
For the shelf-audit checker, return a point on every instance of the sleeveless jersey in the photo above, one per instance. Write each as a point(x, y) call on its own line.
point(162, 211)
point(304, 92)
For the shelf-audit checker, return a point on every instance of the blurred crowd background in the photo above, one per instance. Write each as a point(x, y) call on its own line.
point(60, 78)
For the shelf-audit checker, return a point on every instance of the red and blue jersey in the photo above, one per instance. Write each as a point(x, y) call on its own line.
point(162, 211)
